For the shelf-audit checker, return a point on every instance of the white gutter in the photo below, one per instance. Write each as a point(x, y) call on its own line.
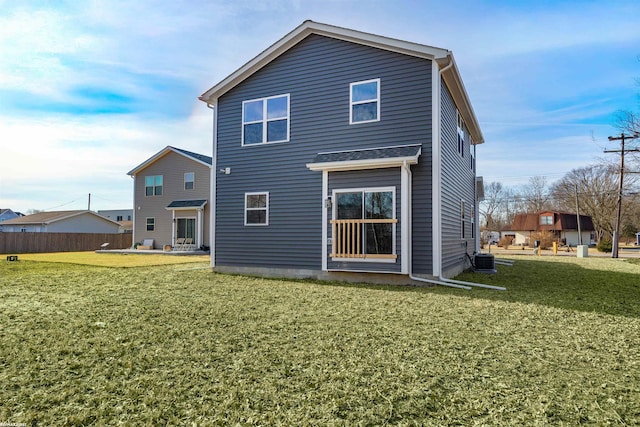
point(212, 191)
point(436, 196)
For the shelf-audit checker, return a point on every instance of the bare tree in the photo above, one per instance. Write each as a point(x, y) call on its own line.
point(533, 197)
point(597, 187)
point(492, 207)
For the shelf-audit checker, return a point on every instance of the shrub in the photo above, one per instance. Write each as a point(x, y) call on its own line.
point(505, 241)
point(546, 239)
point(604, 245)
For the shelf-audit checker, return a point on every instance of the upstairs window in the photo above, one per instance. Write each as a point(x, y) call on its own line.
point(472, 157)
point(256, 209)
point(460, 134)
point(364, 99)
point(265, 120)
point(189, 180)
point(546, 220)
point(153, 185)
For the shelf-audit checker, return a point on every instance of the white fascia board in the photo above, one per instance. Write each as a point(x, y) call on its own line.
point(452, 78)
point(363, 164)
point(310, 27)
point(150, 160)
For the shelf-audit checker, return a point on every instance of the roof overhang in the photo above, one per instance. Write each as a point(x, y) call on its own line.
point(310, 27)
point(371, 158)
point(166, 150)
point(451, 77)
point(183, 205)
point(442, 57)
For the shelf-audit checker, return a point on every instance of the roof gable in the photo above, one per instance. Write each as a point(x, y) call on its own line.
point(200, 158)
point(443, 57)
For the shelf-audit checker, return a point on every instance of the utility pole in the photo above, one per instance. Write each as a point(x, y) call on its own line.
point(578, 216)
point(616, 231)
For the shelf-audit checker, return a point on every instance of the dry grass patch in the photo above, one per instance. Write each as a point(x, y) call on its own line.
point(112, 259)
point(173, 345)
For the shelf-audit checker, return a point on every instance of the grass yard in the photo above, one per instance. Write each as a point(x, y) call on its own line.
point(179, 345)
point(112, 260)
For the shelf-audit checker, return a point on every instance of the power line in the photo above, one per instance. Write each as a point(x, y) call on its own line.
point(621, 138)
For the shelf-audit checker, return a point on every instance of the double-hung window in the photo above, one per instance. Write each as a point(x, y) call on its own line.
point(364, 101)
point(189, 180)
point(151, 223)
point(153, 185)
point(256, 209)
point(265, 120)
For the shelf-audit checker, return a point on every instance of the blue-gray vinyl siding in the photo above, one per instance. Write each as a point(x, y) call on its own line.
point(458, 184)
point(364, 179)
point(316, 73)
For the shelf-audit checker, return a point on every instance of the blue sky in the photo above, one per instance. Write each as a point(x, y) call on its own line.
point(90, 89)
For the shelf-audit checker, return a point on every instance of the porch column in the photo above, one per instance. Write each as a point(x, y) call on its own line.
point(173, 227)
point(200, 229)
point(325, 237)
point(405, 219)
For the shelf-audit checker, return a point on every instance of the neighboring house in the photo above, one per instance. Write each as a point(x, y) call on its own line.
point(563, 225)
point(170, 197)
point(118, 215)
point(123, 216)
point(61, 222)
point(338, 151)
point(6, 214)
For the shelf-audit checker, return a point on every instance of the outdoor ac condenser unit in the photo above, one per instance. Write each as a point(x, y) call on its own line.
point(485, 263)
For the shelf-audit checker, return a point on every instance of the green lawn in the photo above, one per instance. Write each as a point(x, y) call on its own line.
point(179, 345)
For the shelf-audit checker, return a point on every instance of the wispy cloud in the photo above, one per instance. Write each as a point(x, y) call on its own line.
point(88, 90)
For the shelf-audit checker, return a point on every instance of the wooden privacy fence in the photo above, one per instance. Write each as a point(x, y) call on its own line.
point(21, 243)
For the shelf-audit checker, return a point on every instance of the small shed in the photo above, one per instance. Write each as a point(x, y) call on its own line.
point(638, 239)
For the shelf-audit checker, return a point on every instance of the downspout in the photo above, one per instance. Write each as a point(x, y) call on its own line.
point(410, 237)
point(212, 191)
point(437, 185)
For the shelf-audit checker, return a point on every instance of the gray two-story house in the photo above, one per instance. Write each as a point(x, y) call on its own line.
point(170, 198)
point(343, 154)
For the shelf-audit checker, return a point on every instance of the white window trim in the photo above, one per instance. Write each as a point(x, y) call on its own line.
point(266, 208)
point(153, 186)
point(146, 223)
point(264, 120)
point(185, 181)
point(352, 103)
point(334, 213)
point(460, 132)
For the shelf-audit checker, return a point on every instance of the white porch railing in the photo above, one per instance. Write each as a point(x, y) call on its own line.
point(348, 241)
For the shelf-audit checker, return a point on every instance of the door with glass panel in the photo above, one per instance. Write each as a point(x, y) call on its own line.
point(364, 224)
point(186, 231)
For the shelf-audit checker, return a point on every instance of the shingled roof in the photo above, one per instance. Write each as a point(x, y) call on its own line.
point(201, 158)
point(561, 221)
